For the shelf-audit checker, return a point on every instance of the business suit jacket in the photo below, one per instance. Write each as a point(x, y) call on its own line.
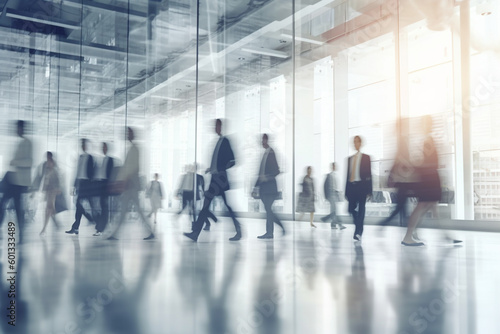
point(225, 160)
point(84, 186)
point(271, 170)
point(365, 173)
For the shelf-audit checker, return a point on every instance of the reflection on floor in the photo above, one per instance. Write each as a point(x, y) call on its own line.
point(308, 281)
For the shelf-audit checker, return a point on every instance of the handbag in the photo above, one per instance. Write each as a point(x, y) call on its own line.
point(60, 203)
point(256, 193)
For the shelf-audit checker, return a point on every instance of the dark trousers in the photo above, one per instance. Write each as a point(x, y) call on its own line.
point(271, 218)
point(80, 211)
point(103, 219)
point(205, 213)
point(357, 200)
point(401, 198)
point(14, 192)
point(188, 202)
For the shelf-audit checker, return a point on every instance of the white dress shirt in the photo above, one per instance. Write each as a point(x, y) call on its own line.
point(356, 157)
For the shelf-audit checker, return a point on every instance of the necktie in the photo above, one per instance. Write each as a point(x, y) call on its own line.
point(354, 166)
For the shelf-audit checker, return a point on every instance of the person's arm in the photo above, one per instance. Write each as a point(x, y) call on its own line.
point(230, 162)
point(369, 177)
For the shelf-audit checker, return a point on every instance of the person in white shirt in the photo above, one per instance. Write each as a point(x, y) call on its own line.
point(16, 182)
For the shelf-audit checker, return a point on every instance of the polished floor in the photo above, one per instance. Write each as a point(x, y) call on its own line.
point(308, 281)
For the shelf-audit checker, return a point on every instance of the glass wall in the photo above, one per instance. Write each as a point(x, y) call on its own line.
point(311, 74)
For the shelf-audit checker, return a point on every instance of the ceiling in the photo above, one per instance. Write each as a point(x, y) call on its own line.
point(81, 58)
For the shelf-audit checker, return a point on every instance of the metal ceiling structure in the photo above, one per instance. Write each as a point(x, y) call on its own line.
point(83, 58)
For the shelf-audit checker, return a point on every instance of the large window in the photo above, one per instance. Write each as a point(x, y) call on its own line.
point(311, 74)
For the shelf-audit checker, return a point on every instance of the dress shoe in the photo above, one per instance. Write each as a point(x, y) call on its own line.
point(191, 236)
point(97, 234)
point(236, 237)
point(149, 237)
point(265, 236)
point(72, 231)
point(206, 228)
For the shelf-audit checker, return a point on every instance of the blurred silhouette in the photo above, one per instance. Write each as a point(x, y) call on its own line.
point(267, 188)
point(103, 178)
point(16, 182)
point(155, 194)
point(222, 159)
point(358, 186)
point(332, 194)
point(428, 189)
point(128, 183)
point(83, 187)
point(51, 188)
point(186, 191)
point(401, 176)
point(306, 197)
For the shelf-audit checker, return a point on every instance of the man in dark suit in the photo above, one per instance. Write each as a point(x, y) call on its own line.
point(268, 190)
point(222, 159)
point(358, 186)
point(103, 178)
point(83, 186)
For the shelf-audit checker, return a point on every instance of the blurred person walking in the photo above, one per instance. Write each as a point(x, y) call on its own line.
point(83, 187)
point(103, 178)
point(52, 188)
point(332, 194)
point(267, 187)
point(222, 159)
point(307, 196)
point(128, 183)
point(358, 186)
point(402, 175)
point(155, 194)
point(16, 182)
point(428, 189)
point(187, 193)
